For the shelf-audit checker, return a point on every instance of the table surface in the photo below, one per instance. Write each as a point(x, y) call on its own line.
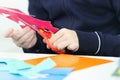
point(99, 72)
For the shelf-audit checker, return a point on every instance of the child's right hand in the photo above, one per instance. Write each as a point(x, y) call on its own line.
point(25, 38)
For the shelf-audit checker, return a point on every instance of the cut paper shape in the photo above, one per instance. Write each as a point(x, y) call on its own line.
point(44, 65)
point(39, 76)
point(51, 74)
point(8, 76)
point(3, 66)
point(13, 65)
point(71, 61)
point(5, 75)
point(39, 72)
point(58, 71)
point(44, 28)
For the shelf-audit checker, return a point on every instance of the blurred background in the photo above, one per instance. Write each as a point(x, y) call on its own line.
point(6, 44)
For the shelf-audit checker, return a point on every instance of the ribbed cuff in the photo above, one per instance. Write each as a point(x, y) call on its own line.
point(88, 42)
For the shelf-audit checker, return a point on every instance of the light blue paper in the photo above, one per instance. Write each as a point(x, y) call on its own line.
point(44, 65)
point(58, 71)
point(24, 71)
point(53, 74)
point(8, 76)
point(13, 65)
point(3, 66)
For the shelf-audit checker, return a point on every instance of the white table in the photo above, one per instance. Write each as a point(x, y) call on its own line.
point(100, 72)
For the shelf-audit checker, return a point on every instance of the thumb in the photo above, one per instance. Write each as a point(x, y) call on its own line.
point(73, 47)
point(8, 33)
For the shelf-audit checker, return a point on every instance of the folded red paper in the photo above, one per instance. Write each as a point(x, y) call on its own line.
point(44, 28)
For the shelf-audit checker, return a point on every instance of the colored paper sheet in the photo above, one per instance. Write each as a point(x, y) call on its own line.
point(3, 66)
point(8, 76)
point(44, 65)
point(13, 65)
point(58, 71)
point(44, 69)
point(71, 61)
point(51, 74)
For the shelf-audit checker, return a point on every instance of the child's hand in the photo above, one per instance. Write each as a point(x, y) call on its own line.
point(25, 38)
point(65, 38)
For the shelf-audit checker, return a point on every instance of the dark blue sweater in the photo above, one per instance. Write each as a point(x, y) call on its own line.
point(97, 23)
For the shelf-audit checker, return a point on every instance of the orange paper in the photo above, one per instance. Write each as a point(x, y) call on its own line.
point(71, 61)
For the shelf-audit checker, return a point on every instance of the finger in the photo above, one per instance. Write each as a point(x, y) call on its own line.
point(57, 35)
point(62, 45)
point(59, 41)
point(26, 37)
point(30, 43)
point(24, 43)
point(44, 41)
point(8, 33)
point(20, 33)
point(73, 47)
point(47, 47)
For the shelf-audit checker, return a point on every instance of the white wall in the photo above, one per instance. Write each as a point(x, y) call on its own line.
point(6, 44)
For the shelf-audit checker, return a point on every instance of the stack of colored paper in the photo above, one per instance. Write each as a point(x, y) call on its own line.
point(13, 69)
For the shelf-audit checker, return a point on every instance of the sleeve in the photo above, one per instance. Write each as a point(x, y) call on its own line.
point(99, 44)
point(36, 10)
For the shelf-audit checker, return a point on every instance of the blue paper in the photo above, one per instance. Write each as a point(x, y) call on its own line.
point(13, 65)
point(13, 69)
point(3, 66)
point(58, 71)
point(8, 76)
point(44, 65)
